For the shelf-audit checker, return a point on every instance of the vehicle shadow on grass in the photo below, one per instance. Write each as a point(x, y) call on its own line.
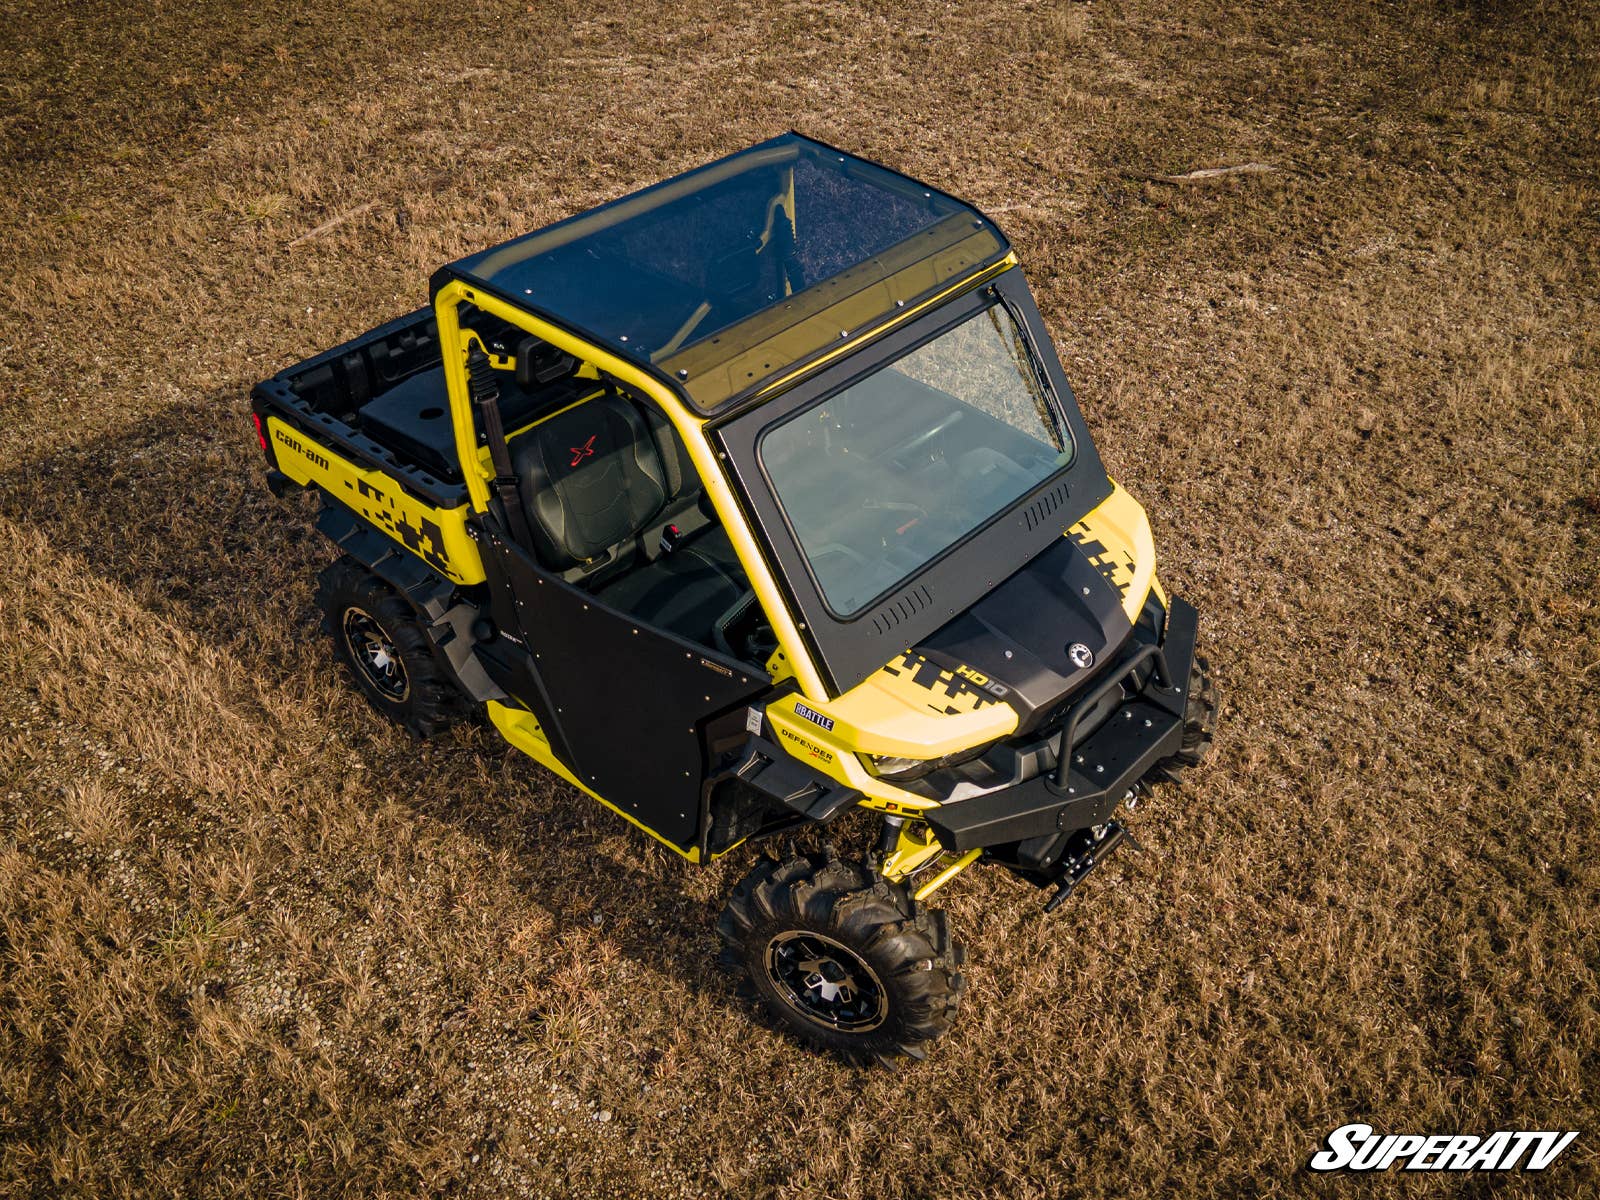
point(175, 512)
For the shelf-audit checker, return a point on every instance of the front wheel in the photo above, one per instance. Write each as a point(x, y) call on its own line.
point(377, 635)
point(847, 962)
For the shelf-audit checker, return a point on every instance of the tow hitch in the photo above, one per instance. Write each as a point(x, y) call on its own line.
point(1086, 851)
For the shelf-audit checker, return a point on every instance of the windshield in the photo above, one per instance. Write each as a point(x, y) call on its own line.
point(880, 479)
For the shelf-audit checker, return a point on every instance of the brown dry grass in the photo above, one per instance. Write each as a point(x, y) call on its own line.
point(255, 942)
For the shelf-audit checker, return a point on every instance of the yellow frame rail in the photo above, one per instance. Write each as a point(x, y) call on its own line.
point(689, 428)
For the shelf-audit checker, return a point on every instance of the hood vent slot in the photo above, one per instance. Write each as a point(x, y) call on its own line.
point(1037, 513)
point(900, 609)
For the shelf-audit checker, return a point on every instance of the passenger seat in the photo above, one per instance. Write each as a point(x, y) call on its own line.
point(594, 482)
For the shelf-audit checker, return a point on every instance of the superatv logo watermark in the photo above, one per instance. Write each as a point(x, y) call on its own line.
point(1357, 1148)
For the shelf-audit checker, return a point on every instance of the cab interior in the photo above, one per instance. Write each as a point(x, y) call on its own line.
point(613, 502)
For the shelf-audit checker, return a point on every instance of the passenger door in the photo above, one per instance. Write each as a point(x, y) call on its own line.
point(627, 706)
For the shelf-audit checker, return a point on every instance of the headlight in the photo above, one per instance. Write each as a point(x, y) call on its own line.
point(889, 767)
point(898, 768)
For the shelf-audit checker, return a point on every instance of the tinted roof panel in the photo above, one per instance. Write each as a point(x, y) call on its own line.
point(733, 273)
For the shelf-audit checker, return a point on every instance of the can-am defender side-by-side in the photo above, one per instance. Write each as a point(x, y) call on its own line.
point(742, 501)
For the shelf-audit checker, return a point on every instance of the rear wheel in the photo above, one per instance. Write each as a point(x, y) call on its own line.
point(378, 637)
point(847, 962)
point(1199, 724)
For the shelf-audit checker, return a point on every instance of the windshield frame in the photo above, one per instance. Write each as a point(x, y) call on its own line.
point(847, 648)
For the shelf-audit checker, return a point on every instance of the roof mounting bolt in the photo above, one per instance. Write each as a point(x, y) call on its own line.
point(844, 333)
point(1072, 791)
point(682, 374)
point(624, 337)
point(1147, 722)
point(1079, 760)
point(899, 303)
point(1100, 769)
point(1085, 591)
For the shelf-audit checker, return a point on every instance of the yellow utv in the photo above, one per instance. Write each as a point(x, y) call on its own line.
point(743, 501)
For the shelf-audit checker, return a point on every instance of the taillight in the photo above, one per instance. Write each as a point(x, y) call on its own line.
point(261, 434)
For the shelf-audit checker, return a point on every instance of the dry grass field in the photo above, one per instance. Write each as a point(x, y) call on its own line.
point(255, 942)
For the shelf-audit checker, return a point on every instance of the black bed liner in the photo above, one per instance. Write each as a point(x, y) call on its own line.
point(380, 399)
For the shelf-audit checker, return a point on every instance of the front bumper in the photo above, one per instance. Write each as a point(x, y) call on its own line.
point(1067, 781)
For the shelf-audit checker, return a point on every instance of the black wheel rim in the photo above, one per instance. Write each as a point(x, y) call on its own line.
point(375, 656)
point(826, 982)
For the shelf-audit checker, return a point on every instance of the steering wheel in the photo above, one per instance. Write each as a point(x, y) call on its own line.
point(927, 435)
point(873, 504)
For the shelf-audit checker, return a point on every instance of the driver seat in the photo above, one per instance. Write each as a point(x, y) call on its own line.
point(594, 481)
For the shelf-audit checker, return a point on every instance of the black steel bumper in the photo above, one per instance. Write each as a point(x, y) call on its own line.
point(1071, 780)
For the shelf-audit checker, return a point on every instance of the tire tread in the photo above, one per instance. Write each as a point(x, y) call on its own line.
point(435, 702)
point(910, 948)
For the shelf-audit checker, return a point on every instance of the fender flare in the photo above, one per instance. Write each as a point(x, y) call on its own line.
point(447, 618)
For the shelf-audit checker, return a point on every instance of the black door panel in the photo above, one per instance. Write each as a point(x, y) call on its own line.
point(630, 700)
